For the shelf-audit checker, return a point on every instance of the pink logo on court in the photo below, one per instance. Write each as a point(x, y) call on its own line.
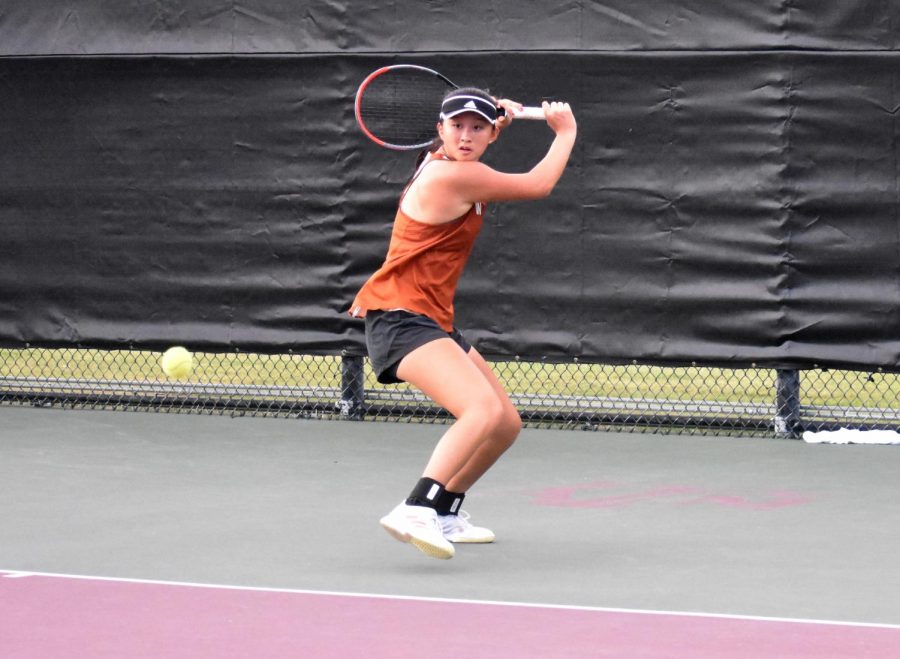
point(606, 494)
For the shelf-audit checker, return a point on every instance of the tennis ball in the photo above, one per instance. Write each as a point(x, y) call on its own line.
point(177, 362)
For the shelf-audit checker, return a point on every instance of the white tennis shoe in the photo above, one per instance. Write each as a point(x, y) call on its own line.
point(418, 525)
point(457, 528)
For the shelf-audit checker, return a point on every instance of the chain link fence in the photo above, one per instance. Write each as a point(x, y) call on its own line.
point(693, 399)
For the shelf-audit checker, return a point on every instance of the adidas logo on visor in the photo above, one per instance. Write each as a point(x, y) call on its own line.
point(466, 103)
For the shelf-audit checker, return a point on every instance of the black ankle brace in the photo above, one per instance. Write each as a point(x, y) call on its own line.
point(449, 503)
point(427, 492)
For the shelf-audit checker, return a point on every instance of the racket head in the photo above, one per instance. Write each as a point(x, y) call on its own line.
point(397, 106)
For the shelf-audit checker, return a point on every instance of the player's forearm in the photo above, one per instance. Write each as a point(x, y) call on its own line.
point(548, 171)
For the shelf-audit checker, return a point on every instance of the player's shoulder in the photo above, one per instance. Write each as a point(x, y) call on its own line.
point(444, 169)
point(452, 177)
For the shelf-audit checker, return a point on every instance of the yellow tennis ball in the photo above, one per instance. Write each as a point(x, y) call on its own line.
point(177, 362)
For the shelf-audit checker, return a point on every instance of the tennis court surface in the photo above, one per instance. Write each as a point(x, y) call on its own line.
point(162, 535)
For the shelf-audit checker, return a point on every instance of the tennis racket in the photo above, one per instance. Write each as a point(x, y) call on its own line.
point(397, 106)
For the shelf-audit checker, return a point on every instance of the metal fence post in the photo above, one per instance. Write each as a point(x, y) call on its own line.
point(787, 403)
point(353, 393)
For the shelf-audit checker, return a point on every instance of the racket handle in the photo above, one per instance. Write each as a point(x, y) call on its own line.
point(531, 113)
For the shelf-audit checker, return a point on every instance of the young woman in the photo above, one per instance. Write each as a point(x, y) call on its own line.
point(408, 307)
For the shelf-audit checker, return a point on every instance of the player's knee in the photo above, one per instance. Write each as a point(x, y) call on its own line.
point(500, 422)
point(505, 424)
point(490, 410)
point(511, 425)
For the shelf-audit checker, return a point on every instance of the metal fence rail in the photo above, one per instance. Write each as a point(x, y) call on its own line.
point(583, 396)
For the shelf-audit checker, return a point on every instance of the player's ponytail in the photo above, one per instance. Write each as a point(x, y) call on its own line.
point(437, 144)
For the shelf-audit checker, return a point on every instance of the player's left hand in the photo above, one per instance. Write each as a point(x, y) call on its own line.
point(512, 109)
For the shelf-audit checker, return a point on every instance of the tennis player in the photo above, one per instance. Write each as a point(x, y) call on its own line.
point(408, 308)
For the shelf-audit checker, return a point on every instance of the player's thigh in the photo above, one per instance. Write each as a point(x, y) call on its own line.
point(449, 376)
point(488, 374)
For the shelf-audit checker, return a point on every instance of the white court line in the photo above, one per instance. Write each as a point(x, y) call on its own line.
point(15, 574)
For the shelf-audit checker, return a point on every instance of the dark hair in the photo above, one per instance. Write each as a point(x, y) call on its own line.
point(437, 144)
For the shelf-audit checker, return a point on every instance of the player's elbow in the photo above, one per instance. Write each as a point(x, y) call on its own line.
point(541, 184)
point(542, 189)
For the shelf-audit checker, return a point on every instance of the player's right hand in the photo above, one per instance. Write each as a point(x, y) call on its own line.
point(559, 117)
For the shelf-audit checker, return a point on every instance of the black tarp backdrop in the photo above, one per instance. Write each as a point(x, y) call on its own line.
point(193, 175)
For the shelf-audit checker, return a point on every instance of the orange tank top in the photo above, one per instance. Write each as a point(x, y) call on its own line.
point(423, 265)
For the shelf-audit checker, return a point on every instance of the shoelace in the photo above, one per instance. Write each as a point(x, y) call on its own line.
point(457, 523)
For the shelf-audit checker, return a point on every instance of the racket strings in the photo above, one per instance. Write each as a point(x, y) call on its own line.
point(401, 108)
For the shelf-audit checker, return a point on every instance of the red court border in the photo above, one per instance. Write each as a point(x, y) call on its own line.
point(54, 615)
